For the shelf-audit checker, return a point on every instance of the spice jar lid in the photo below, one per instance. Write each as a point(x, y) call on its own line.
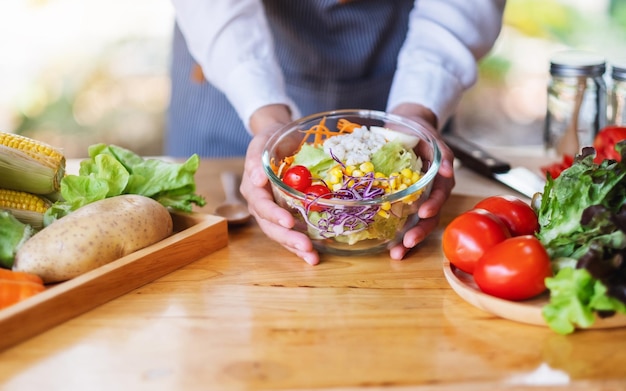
point(577, 63)
point(619, 71)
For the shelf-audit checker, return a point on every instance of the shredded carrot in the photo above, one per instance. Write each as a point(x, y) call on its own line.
point(320, 133)
point(6, 274)
point(12, 292)
point(282, 166)
point(346, 126)
point(274, 166)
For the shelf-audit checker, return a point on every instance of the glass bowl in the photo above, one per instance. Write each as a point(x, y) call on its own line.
point(366, 211)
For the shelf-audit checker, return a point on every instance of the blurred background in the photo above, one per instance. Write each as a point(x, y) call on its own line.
point(78, 72)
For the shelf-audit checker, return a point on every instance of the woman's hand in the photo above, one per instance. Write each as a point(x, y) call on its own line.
point(442, 186)
point(273, 220)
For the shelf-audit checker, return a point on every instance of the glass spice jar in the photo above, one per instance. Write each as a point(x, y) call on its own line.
point(577, 102)
point(617, 100)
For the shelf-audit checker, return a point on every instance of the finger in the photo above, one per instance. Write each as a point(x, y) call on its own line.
point(442, 188)
point(267, 210)
point(253, 164)
point(413, 237)
point(293, 241)
point(417, 234)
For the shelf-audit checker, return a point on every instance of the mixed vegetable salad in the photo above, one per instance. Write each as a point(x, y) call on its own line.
point(353, 163)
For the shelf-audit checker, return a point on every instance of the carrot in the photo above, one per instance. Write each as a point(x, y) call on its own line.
point(320, 133)
point(12, 292)
point(6, 274)
point(346, 126)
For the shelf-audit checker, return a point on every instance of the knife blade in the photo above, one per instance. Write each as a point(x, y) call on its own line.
point(520, 179)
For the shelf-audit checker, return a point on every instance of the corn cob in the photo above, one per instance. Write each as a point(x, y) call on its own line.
point(26, 207)
point(29, 165)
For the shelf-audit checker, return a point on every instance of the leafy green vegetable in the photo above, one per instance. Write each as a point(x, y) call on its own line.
point(565, 198)
point(13, 233)
point(112, 171)
point(575, 297)
point(393, 157)
point(315, 159)
point(582, 219)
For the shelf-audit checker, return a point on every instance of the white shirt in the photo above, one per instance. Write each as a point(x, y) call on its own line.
point(232, 42)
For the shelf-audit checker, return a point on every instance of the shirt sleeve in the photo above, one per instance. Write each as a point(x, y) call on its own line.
point(232, 43)
point(438, 60)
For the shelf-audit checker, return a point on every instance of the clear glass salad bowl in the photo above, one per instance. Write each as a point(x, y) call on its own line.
point(367, 207)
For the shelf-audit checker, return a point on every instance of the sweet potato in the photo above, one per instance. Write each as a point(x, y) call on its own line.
point(92, 236)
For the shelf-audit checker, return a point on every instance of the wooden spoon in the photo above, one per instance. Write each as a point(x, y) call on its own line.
point(233, 209)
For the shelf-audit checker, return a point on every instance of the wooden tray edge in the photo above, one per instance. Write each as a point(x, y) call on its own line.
point(197, 235)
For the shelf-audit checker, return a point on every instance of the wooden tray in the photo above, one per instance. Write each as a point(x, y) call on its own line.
point(527, 311)
point(196, 235)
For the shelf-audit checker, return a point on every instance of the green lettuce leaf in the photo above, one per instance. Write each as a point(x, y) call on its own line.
point(112, 171)
point(565, 198)
point(13, 233)
point(393, 157)
point(575, 298)
point(315, 159)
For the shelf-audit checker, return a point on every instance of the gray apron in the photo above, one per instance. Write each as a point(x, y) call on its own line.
point(333, 55)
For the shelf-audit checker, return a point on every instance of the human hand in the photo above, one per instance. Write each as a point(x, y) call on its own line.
point(274, 221)
point(442, 186)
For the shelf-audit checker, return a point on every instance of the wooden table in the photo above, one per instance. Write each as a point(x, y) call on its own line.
point(253, 316)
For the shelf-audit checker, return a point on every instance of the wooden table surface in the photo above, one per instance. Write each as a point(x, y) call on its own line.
point(253, 316)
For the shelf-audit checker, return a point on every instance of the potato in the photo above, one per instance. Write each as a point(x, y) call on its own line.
point(92, 236)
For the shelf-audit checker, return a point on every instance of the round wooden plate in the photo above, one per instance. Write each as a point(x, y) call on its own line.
point(527, 311)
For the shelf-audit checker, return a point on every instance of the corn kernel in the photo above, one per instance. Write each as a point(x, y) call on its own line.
point(385, 205)
point(332, 179)
point(336, 171)
point(381, 179)
point(350, 169)
point(406, 172)
point(357, 173)
point(366, 167)
point(383, 213)
point(393, 180)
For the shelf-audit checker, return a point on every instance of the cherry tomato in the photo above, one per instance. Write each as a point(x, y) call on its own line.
point(514, 269)
point(469, 235)
point(518, 216)
point(298, 177)
point(314, 192)
point(605, 140)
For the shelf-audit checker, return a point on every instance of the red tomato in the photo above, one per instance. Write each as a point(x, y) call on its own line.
point(469, 235)
point(298, 177)
point(555, 169)
point(605, 140)
point(514, 269)
point(314, 192)
point(518, 216)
